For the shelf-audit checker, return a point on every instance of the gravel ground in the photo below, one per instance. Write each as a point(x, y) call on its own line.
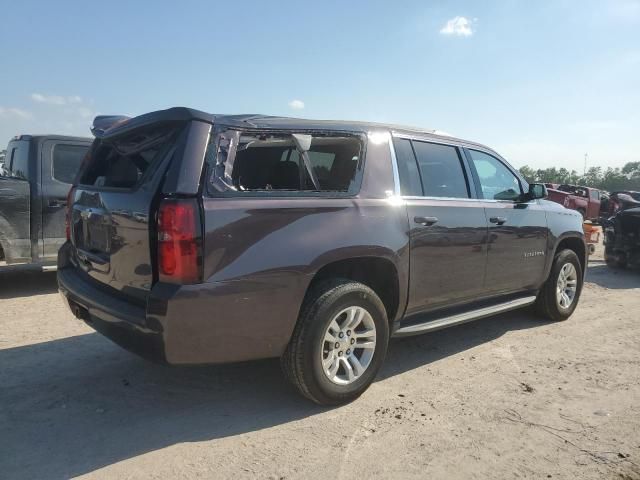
point(506, 397)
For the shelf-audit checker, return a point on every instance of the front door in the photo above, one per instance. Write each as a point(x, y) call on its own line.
point(448, 228)
point(59, 164)
point(518, 232)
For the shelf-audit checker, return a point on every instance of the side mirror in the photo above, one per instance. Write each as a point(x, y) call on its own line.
point(537, 190)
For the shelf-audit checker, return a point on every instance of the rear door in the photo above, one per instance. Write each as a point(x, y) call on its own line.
point(517, 244)
point(112, 215)
point(448, 228)
point(15, 204)
point(60, 161)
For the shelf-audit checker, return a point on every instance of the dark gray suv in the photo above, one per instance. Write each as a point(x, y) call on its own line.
point(197, 238)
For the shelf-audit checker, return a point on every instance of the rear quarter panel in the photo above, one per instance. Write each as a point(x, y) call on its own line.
point(262, 253)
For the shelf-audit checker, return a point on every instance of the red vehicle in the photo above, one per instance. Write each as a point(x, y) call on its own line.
point(583, 199)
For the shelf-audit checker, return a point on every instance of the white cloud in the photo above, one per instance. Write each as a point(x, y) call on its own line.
point(14, 113)
point(296, 104)
point(459, 26)
point(55, 99)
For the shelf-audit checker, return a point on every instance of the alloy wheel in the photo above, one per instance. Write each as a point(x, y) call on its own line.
point(567, 285)
point(348, 345)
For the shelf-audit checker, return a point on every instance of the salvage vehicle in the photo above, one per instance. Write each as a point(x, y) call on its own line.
point(584, 200)
point(622, 239)
point(198, 238)
point(622, 200)
point(37, 175)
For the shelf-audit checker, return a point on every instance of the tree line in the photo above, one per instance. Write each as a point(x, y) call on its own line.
point(609, 179)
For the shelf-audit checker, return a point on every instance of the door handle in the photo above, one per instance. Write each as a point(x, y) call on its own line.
point(57, 203)
point(426, 221)
point(498, 220)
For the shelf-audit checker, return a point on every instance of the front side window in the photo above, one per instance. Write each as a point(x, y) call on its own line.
point(440, 170)
point(248, 162)
point(66, 161)
point(496, 180)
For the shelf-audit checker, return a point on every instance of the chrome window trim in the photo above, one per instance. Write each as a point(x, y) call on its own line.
point(457, 199)
point(462, 145)
point(396, 174)
point(419, 138)
point(394, 167)
point(521, 181)
point(456, 142)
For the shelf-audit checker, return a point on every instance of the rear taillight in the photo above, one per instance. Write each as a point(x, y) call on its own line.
point(67, 216)
point(179, 241)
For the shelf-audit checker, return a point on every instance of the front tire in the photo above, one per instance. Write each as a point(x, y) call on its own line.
point(558, 297)
point(339, 342)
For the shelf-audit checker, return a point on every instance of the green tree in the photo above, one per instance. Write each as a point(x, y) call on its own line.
point(609, 179)
point(528, 173)
point(593, 177)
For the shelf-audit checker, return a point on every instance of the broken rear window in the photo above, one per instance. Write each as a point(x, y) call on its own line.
point(243, 162)
point(122, 162)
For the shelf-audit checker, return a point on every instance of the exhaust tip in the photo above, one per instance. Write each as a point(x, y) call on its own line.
point(80, 312)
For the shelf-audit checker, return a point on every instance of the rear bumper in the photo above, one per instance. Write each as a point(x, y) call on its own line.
point(122, 322)
point(219, 322)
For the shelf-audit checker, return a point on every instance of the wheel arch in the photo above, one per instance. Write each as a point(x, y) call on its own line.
point(379, 273)
point(575, 243)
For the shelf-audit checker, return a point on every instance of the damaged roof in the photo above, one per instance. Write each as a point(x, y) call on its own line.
point(105, 126)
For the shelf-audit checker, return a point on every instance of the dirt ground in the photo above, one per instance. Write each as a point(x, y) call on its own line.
point(506, 397)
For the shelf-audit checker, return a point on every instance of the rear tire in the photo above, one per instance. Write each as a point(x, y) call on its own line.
point(349, 314)
point(559, 296)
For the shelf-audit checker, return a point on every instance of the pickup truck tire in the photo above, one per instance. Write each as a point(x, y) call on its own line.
point(327, 312)
point(559, 295)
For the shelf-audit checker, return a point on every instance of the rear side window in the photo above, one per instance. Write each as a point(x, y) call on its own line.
point(17, 161)
point(410, 184)
point(441, 170)
point(263, 163)
point(66, 161)
point(122, 162)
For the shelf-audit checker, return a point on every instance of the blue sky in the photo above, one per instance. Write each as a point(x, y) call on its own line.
point(542, 82)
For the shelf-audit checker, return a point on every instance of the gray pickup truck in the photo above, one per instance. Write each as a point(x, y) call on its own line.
point(34, 182)
point(198, 238)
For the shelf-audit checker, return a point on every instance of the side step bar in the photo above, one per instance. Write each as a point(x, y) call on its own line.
point(459, 318)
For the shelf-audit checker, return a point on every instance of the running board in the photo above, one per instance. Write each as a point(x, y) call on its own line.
point(465, 317)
